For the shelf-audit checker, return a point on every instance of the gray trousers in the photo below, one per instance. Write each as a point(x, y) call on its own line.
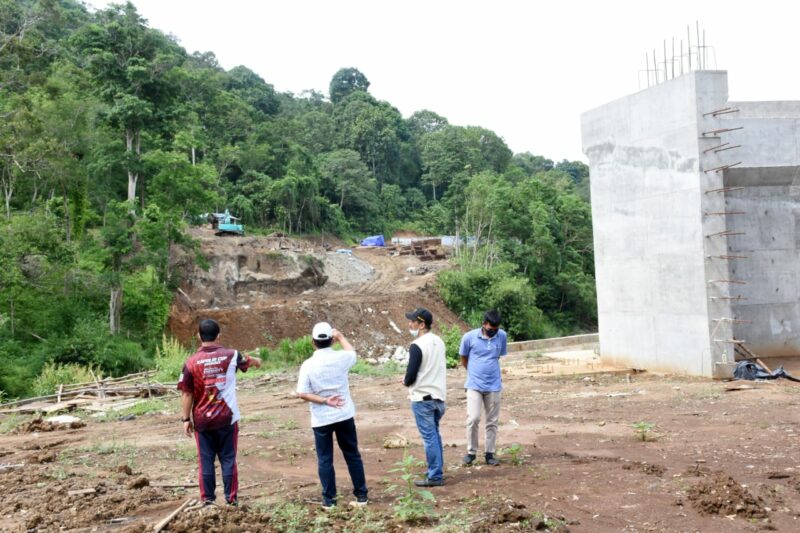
point(476, 402)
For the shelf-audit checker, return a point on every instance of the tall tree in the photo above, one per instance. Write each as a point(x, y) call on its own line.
point(345, 82)
point(130, 64)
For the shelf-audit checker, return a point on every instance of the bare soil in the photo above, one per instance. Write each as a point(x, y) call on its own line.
point(264, 289)
point(710, 464)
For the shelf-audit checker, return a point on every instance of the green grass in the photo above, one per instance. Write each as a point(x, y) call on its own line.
point(10, 422)
point(112, 448)
point(186, 452)
point(147, 407)
point(390, 368)
point(256, 417)
point(289, 424)
point(290, 517)
point(54, 374)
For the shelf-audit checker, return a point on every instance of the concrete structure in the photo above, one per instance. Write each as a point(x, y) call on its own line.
point(695, 205)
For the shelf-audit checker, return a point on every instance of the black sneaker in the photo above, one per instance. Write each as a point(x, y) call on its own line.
point(428, 482)
point(491, 461)
point(469, 459)
point(233, 503)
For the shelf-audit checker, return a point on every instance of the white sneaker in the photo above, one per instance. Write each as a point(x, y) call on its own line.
point(359, 503)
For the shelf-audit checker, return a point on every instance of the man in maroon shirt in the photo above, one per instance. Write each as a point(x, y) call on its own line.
point(208, 384)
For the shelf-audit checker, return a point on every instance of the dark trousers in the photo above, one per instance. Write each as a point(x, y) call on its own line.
point(347, 439)
point(220, 443)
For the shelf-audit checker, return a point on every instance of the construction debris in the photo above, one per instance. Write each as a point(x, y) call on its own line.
point(424, 249)
point(99, 395)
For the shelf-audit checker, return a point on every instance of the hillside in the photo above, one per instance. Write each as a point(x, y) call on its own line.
point(264, 289)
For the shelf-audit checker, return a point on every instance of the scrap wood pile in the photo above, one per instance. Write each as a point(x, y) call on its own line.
point(100, 395)
point(424, 249)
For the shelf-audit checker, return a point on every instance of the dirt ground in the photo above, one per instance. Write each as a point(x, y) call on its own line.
point(713, 460)
point(263, 289)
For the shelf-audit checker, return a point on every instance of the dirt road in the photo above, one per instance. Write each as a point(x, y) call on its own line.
point(712, 461)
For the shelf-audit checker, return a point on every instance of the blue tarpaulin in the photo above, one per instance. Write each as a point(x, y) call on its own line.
point(374, 240)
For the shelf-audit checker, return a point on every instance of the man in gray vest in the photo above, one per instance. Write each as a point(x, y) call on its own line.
point(427, 386)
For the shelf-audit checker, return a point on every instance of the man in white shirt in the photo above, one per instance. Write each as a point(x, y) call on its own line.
point(426, 379)
point(323, 383)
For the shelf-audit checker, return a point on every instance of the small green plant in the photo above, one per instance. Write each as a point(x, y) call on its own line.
point(514, 453)
point(412, 504)
point(10, 423)
point(58, 473)
point(643, 430)
point(288, 354)
point(170, 358)
point(452, 342)
point(186, 453)
point(289, 424)
point(550, 523)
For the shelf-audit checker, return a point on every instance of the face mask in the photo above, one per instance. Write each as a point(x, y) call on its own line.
point(414, 332)
point(490, 332)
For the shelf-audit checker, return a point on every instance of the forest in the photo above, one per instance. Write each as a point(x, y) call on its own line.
point(114, 138)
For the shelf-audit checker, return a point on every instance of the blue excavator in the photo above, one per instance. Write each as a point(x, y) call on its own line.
point(225, 224)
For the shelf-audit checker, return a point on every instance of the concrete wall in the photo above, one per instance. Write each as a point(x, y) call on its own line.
point(669, 215)
point(585, 341)
point(771, 242)
point(646, 185)
point(768, 150)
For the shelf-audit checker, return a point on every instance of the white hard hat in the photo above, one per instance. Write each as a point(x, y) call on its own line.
point(322, 332)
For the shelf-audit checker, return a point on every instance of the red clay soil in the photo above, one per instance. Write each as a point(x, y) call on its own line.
point(581, 466)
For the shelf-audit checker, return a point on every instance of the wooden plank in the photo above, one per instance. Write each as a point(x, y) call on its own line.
point(762, 363)
point(81, 492)
point(161, 525)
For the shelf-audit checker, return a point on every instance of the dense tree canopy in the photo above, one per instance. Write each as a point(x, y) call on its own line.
point(113, 138)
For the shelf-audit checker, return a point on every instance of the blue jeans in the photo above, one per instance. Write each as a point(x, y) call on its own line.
point(347, 438)
point(427, 414)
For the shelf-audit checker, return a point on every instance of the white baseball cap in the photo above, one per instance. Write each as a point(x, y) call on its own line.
point(322, 332)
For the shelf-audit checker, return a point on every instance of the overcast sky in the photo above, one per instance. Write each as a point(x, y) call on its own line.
point(524, 69)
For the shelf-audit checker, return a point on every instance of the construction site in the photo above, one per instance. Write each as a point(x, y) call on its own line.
point(636, 428)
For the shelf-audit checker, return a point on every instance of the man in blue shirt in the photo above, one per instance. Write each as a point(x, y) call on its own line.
point(480, 351)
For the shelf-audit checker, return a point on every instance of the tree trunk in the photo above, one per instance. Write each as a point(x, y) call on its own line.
point(133, 144)
point(115, 309)
point(8, 192)
point(193, 157)
point(67, 218)
point(11, 314)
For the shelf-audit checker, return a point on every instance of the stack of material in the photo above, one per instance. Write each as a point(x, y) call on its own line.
point(424, 249)
point(100, 395)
